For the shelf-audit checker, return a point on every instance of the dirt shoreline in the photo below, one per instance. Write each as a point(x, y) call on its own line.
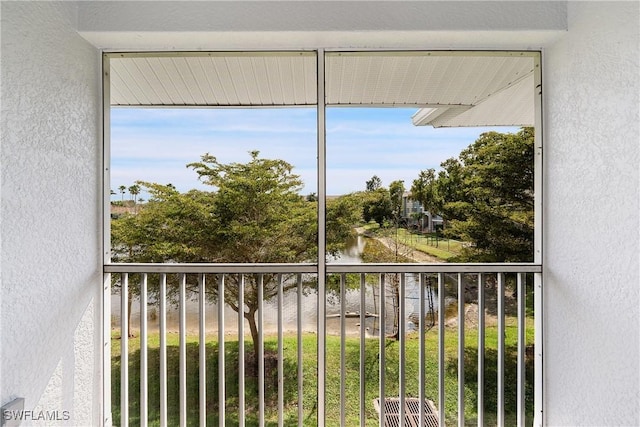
point(407, 251)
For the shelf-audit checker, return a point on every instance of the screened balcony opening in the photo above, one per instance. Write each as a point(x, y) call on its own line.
point(306, 273)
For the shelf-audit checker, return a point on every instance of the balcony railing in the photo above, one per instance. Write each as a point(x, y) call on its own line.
point(439, 343)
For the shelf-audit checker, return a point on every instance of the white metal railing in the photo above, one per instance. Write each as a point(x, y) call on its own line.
point(196, 281)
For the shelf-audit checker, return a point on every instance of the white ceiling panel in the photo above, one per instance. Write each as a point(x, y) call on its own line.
point(449, 88)
point(423, 78)
point(213, 79)
point(512, 106)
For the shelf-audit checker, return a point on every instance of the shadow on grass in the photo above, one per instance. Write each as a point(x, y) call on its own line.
point(212, 379)
point(370, 377)
point(490, 388)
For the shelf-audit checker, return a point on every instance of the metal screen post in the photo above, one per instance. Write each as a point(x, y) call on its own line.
point(461, 318)
point(481, 349)
point(144, 376)
point(202, 368)
point(322, 267)
point(124, 350)
point(441, 359)
point(183, 350)
point(163, 350)
point(222, 396)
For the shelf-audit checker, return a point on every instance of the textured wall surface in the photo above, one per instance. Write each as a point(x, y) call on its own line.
point(591, 239)
point(50, 213)
point(324, 24)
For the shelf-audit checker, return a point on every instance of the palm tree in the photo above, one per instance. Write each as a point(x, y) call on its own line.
point(134, 190)
point(122, 189)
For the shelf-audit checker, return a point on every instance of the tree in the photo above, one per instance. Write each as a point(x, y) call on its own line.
point(254, 215)
point(389, 249)
point(134, 190)
point(122, 189)
point(343, 214)
point(260, 218)
point(377, 206)
point(396, 193)
point(162, 231)
point(487, 197)
point(374, 183)
point(424, 191)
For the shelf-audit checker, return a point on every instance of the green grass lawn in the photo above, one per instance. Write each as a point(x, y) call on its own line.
point(371, 378)
point(430, 244)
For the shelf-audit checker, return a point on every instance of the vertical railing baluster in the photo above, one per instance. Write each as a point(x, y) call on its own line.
point(163, 350)
point(261, 397)
point(124, 350)
point(363, 355)
point(481, 350)
point(400, 296)
point(300, 362)
point(382, 353)
point(501, 332)
point(343, 343)
point(421, 351)
point(401, 336)
point(441, 360)
point(222, 394)
point(241, 382)
point(461, 317)
point(202, 367)
point(144, 375)
point(280, 353)
point(521, 348)
point(183, 350)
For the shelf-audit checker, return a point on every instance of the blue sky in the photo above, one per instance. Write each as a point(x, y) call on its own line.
point(155, 144)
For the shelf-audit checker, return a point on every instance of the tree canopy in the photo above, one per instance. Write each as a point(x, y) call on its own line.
point(486, 197)
point(254, 214)
point(374, 183)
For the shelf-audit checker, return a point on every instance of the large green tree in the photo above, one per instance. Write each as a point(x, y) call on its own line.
point(254, 214)
point(486, 195)
point(377, 206)
point(169, 228)
point(260, 215)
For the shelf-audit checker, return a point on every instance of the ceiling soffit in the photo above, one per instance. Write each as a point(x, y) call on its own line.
point(448, 88)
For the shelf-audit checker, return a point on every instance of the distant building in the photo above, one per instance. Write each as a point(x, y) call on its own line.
point(416, 217)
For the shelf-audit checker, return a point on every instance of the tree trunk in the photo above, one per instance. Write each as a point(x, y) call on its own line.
point(253, 327)
point(396, 308)
point(129, 303)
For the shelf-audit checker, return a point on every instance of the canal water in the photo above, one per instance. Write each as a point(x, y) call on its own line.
point(352, 254)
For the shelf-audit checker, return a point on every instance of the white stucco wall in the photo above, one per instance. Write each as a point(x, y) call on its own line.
point(50, 220)
point(50, 213)
point(591, 239)
point(186, 25)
